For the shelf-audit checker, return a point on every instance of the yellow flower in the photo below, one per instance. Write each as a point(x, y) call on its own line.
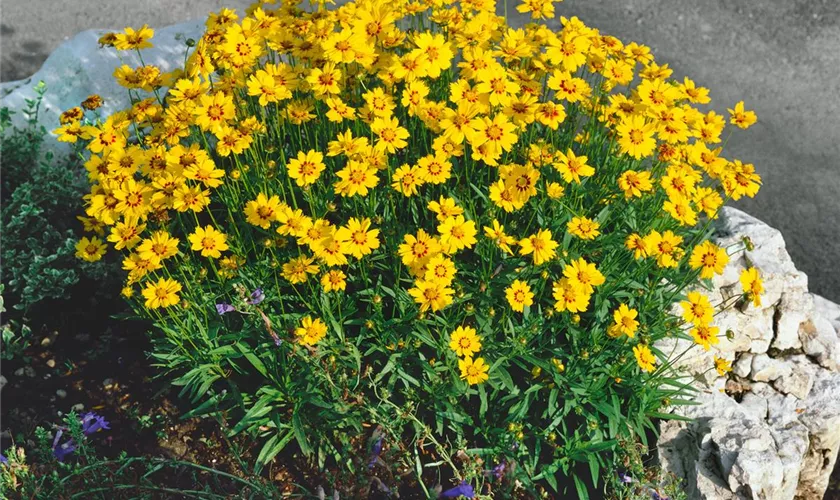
point(573, 167)
point(407, 179)
point(464, 341)
point(306, 168)
point(126, 234)
point(473, 371)
point(214, 111)
point(161, 245)
point(570, 296)
point(752, 284)
point(418, 250)
point(644, 357)
point(209, 241)
point(710, 257)
point(519, 295)
point(637, 245)
point(263, 211)
point(431, 295)
point(740, 117)
point(334, 280)
point(162, 293)
point(391, 136)
point(665, 247)
point(310, 331)
point(634, 183)
point(298, 270)
point(584, 228)
point(722, 366)
point(456, 234)
point(134, 39)
point(705, 335)
point(584, 273)
point(497, 234)
point(325, 80)
point(697, 309)
point(440, 269)
point(356, 178)
point(90, 249)
point(635, 137)
point(357, 239)
point(625, 320)
point(436, 168)
point(540, 246)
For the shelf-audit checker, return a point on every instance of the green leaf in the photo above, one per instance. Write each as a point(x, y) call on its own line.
point(300, 435)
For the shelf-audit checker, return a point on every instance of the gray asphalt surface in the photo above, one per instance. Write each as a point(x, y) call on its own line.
point(781, 56)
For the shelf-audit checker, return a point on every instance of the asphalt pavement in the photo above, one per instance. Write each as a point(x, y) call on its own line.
point(782, 57)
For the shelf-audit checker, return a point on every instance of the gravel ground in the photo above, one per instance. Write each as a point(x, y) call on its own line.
point(780, 56)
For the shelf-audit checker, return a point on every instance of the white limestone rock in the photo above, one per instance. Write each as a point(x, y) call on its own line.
point(779, 440)
point(79, 68)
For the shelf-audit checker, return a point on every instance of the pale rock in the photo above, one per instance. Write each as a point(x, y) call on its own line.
point(828, 310)
point(820, 341)
point(781, 440)
point(799, 380)
point(821, 416)
point(767, 369)
point(743, 365)
point(793, 310)
point(79, 68)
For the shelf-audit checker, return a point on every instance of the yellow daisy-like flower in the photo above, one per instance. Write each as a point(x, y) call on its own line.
point(644, 358)
point(457, 233)
point(740, 117)
point(334, 280)
point(722, 366)
point(519, 295)
point(263, 211)
point(161, 245)
point(584, 273)
point(539, 246)
point(710, 257)
point(90, 249)
point(752, 284)
point(573, 167)
point(584, 228)
point(570, 296)
point(498, 235)
point(697, 310)
point(440, 269)
point(306, 168)
point(162, 293)
point(209, 241)
point(298, 270)
point(474, 371)
point(431, 295)
point(625, 320)
point(310, 331)
point(705, 335)
point(132, 39)
point(464, 341)
point(357, 239)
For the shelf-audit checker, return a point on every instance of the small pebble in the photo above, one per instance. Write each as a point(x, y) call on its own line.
point(3, 382)
point(46, 341)
point(51, 363)
point(108, 382)
point(78, 407)
point(19, 372)
point(29, 371)
point(61, 393)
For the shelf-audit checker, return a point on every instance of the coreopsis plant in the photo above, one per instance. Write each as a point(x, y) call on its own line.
point(410, 226)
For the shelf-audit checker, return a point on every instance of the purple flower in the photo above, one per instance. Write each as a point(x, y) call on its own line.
point(4, 460)
point(499, 470)
point(374, 452)
point(462, 490)
point(91, 423)
point(62, 450)
point(223, 307)
point(625, 478)
point(257, 296)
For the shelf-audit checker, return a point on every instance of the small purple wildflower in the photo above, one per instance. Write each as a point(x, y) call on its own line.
point(462, 490)
point(223, 307)
point(499, 470)
point(257, 296)
point(62, 450)
point(91, 423)
point(4, 460)
point(374, 452)
point(625, 478)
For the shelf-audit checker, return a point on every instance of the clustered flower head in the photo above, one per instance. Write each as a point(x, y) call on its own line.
point(416, 176)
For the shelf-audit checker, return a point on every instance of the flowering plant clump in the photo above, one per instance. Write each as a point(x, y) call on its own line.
point(411, 217)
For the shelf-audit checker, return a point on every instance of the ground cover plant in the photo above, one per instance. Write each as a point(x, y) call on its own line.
point(415, 243)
